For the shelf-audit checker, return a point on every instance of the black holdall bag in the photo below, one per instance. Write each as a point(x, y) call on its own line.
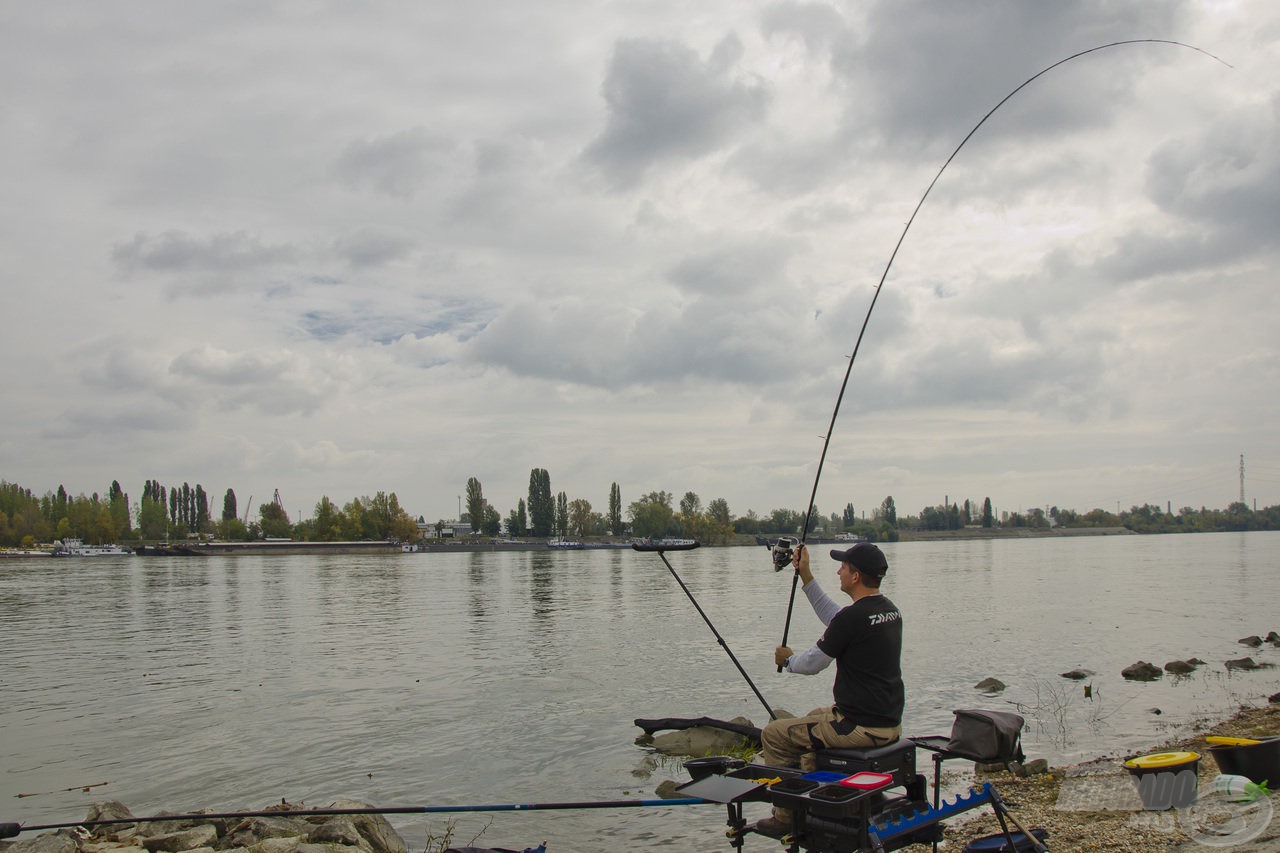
point(987, 736)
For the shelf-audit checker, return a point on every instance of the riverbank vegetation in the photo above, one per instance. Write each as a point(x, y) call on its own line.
point(176, 513)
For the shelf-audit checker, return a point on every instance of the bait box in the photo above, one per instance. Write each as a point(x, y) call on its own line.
point(867, 781)
point(829, 800)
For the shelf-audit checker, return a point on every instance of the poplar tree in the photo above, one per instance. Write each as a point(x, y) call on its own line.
point(562, 514)
point(615, 510)
point(475, 504)
point(542, 505)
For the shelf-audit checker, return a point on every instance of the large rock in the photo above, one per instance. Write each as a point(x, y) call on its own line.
point(1242, 663)
point(373, 828)
point(1179, 667)
point(188, 839)
point(990, 685)
point(58, 843)
point(254, 830)
point(1078, 674)
point(1141, 671)
point(339, 830)
point(667, 790)
point(701, 740)
point(1253, 641)
point(108, 810)
point(283, 844)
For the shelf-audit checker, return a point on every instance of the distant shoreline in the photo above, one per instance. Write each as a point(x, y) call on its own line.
point(1011, 533)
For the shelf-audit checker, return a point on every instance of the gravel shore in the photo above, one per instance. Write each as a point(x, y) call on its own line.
point(1054, 802)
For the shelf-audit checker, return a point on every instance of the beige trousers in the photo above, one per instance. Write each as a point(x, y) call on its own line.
point(792, 742)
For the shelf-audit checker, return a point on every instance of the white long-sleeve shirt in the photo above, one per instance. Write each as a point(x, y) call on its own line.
point(813, 660)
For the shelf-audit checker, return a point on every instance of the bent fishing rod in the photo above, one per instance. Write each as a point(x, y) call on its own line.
point(689, 546)
point(804, 532)
point(9, 830)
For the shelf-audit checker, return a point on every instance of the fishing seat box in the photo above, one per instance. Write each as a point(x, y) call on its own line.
point(898, 759)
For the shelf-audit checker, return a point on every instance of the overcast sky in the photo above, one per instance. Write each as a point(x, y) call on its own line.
point(342, 248)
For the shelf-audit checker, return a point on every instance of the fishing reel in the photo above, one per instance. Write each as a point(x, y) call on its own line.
point(783, 552)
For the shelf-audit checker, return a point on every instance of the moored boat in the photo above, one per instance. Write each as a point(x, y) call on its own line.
point(70, 547)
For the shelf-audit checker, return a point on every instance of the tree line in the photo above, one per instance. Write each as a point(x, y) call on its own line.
point(179, 512)
point(656, 515)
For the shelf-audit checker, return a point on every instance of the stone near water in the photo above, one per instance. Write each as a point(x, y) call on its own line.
point(990, 685)
point(310, 834)
point(667, 790)
point(256, 829)
point(1179, 667)
point(1141, 671)
point(373, 828)
point(44, 844)
point(1034, 767)
point(186, 839)
point(1253, 641)
point(108, 810)
point(700, 740)
point(1077, 674)
point(1242, 663)
point(338, 830)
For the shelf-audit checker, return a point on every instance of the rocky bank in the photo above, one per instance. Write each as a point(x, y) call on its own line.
point(266, 834)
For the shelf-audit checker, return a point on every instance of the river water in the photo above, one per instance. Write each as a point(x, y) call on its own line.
point(447, 679)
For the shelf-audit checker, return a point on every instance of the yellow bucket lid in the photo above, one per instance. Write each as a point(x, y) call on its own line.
point(1162, 759)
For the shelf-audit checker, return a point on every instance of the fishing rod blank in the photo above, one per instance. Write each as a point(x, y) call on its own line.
point(659, 549)
point(876, 295)
point(9, 830)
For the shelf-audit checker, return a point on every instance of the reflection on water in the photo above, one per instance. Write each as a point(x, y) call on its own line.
point(433, 679)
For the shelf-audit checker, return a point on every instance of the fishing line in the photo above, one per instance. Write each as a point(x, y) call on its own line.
point(804, 533)
point(659, 549)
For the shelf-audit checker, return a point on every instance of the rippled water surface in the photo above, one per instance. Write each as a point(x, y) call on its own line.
point(443, 679)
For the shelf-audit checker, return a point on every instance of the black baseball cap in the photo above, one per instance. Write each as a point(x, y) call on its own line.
point(864, 557)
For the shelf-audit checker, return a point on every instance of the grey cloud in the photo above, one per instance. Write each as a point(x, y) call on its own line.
point(110, 423)
point(398, 165)
point(1221, 186)
point(272, 383)
point(177, 251)
point(666, 104)
point(1226, 176)
point(373, 247)
point(818, 25)
point(611, 346)
point(734, 270)
point(977, 54)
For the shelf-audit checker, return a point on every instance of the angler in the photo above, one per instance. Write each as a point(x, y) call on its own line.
point(865, 641)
